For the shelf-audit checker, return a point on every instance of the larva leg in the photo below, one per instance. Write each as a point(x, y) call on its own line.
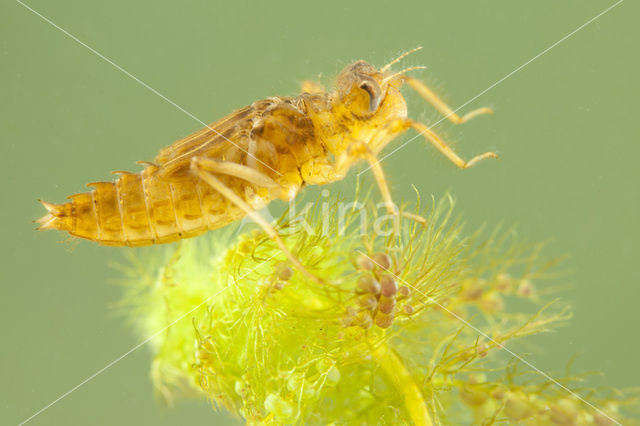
point(438, 104)
point(199, 166)
point(445, 149)
point(360, 149)
point(246, 173)
point(311, 87)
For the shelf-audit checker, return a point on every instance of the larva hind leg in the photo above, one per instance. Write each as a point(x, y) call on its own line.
point(246, 173)
point(444, 109)
point(203, 169)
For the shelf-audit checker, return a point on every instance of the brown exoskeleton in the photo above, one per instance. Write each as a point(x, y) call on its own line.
point(270, 149)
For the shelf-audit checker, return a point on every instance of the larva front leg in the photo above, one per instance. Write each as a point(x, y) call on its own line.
point(394, 128)
point(445, 149)
point(444, 109)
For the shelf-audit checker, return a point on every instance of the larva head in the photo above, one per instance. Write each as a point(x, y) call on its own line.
point(367, 94)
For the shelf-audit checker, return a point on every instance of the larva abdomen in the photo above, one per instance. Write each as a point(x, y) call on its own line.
point(107, 208)
point(135, 210)
point(135, 216)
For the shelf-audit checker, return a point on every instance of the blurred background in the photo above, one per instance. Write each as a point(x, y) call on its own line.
point(565, 128)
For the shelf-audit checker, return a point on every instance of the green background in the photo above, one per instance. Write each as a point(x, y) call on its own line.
point(565, 128)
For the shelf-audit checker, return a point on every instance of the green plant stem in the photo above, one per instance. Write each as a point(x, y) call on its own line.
point(398, 374)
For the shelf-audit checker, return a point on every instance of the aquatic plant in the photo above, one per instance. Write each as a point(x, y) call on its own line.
point(411, 327)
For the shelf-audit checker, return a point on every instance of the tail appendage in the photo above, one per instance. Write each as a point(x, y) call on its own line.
point(59, 216)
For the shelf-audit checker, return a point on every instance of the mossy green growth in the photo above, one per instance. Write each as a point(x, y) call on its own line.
point(408, 329)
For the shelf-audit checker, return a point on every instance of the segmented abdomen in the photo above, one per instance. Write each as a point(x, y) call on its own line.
point(140, 209)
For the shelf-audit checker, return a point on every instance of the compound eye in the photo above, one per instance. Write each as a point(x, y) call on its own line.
point(374, 95)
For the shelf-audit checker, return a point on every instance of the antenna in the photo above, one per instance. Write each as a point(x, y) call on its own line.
point(399, 58)
point(392, 76)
